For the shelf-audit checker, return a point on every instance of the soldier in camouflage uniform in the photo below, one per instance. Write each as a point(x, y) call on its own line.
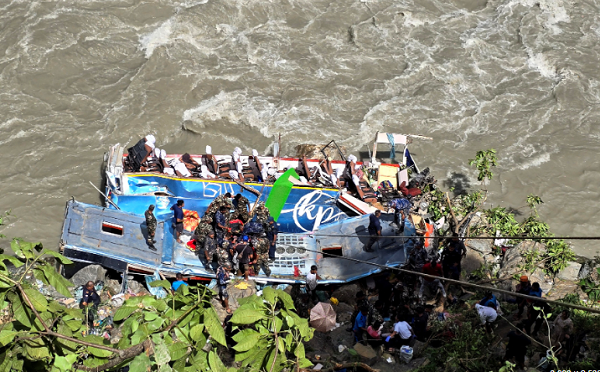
point(202, 230)
point(223, 252)
point(221, 200)
point(261, 245)
point(151, 225)
point(262, 215)
point(241, 209)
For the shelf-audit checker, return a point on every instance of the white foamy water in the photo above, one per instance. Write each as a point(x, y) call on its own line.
point(519, 76)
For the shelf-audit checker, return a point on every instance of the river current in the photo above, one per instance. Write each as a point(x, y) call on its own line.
point(519, 76)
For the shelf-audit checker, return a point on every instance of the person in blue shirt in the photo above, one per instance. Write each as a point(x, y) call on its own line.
point(408, 229)
point(374, 230)
point(535, 290)
point(178, 219)
point(360, 324)
point(179, 282)
point(489, 299)
point(221, 223)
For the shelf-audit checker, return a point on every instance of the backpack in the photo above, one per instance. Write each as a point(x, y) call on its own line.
point(137, 154)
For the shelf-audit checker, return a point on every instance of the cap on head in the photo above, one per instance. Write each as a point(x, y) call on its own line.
point(524, 278)
point(151, 207)
point(245, 238)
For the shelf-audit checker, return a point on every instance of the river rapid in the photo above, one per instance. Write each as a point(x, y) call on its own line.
point(519, 76)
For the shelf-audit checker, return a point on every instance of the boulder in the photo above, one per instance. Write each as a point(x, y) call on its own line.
point(482, 246)
point(112, 286)
point(561, 289)
point(514, 258)
point(545, 281)
point(135, 287)
point(347, 293)
point(91, 273)
point(472, 262)
point(366, 352)
point(588, 270)
point(571, 272)
point(344, 312)
point(234, 295)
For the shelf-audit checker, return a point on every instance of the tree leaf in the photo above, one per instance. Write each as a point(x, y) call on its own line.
point(6, 337)
point(246, 316)
point(13, 260)
point(36, 349)
point(215, 362)
point(299, 352)
point(161, 283)
point(281, 344)
point(140, 363)
point(246, 340)
point(20, 313)
point(63, 260)
point(287, 300)
point(196, 332)
point(269, 295)
point(59, 282)
point(161, 353)
point(213, 325)
point(177, 350)
point(304, 363)
point(124, 312)
point(65, 363)
point(37, 299)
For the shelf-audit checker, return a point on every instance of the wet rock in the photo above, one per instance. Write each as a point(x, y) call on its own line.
point(571, 272)
point(418, 347)
point(91, 273)
point(347, 293)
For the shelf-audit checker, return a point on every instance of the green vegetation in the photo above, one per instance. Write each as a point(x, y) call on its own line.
point(484, 161)
point(179, 333)
point(591, 288)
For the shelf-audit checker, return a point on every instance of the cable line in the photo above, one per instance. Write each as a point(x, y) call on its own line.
point(515, 294)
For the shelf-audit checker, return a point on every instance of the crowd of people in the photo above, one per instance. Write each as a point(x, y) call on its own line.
point(230, 238)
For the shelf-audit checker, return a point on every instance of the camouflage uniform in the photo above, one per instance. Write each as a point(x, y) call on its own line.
point(219, 201)
point(150, 224)
point(202, 230)
point(223, 255)
point(262, 215)
point(241, 211)
point(262, 251)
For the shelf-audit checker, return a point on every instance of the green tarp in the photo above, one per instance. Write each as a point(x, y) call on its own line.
point(280, 192)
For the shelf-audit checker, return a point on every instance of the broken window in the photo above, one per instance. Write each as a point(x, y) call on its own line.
point(111, 228)
point(332, 251)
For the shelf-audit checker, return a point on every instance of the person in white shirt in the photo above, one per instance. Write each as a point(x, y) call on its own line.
point(487, 314)
point(402, 334)
point(311, 283)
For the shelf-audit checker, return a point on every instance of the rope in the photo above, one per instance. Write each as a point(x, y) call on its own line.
point(467, 284)
point(317, 235)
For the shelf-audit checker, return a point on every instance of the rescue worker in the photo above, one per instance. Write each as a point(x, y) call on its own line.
point(221, 218)
point(261, 245)
point(151, 226)
point(241, 205)
point(89, 303)
point(209, 251)
point(220, 201)
point(262, 215)
point(202, 230)
point(272, 236)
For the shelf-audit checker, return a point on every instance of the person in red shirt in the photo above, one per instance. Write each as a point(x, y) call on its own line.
point(435, 269)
